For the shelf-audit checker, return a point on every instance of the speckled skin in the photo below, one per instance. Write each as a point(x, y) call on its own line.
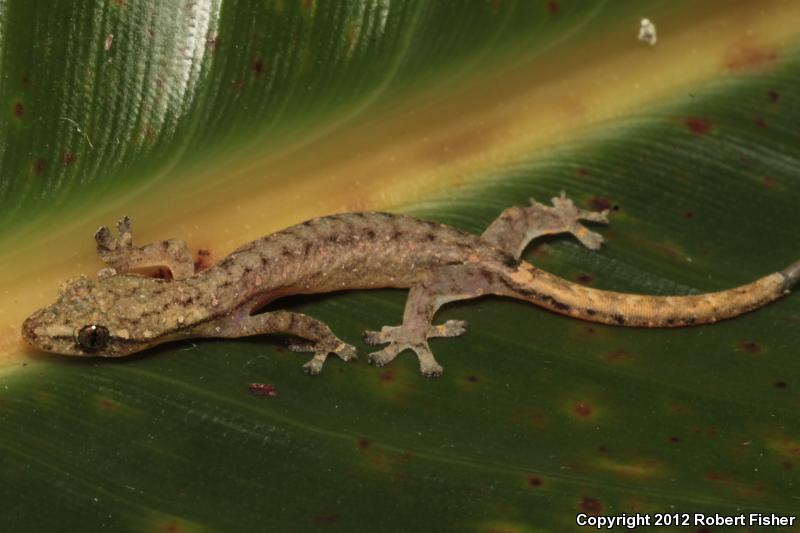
point(355, 251)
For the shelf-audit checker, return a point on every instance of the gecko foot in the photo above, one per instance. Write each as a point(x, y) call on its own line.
point(321, 350)
point(451, 328)
point(571, 216)
point(400, 338)
point(427, 363)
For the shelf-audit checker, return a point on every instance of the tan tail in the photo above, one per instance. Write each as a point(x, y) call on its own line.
point(621, 309)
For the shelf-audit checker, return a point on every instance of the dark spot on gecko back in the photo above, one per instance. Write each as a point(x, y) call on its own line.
point(203, 260)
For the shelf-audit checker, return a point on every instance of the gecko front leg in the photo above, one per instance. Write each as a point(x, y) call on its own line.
point(122, 256)
point(323, 341)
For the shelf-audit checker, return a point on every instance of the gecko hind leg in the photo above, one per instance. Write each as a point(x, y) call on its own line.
point(424, 300)
point(517, 226)
point(122, 256)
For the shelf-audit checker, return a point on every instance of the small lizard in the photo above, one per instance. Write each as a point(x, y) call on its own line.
point(120, 312)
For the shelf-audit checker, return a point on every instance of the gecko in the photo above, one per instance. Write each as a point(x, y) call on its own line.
point(121, 312)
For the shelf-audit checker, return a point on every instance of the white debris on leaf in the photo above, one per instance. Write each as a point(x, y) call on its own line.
point(647, 32)
point(108, 42)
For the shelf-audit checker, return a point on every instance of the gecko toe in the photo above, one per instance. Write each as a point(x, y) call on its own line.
point(346, 352)
point(385, 356)
point(451, 328)
point(313, 367)
point(371, 337)
point(105, 239)
point(432, 371)
point(386, 334)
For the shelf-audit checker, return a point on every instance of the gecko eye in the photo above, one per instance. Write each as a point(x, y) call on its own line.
point(93, 338)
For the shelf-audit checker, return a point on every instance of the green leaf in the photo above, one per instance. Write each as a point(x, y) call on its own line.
point(220, 121)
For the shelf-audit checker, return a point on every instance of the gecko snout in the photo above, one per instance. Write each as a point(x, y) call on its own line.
point(28, 328)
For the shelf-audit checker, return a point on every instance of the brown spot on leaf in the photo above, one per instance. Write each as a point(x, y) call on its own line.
point(308, 4)
point(386, 375)
point(787, 465)
point(363, 443)
point(263, 389)
point(591, 506)
point(472, 378)
point(24, 80)
point(773, 95)
point(602, 449)
point(768, 182)
point(675, 439)
point(688, 214)
point(619, 355)
point(582, 172)
point(758, 121)
point(534, 481)
point(749, 347)
point(601, 203)
point(553, 7)
point(584, 278)
point(749, 54)
point(257, 66)
point(107, 404)
point(583, 409)
point(699, 125)
point(325, 519)
point(781, 384)
point(18, 110)
point(717, 476)
point(68, 158)
point(39, 166)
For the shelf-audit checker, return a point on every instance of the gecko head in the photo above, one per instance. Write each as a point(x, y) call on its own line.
point(106, 316)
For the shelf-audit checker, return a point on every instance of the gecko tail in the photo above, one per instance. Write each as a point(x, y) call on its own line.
point(792, 275)
point(638, 310)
